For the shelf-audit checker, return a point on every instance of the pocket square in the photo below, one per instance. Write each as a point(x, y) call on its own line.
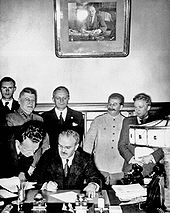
point(74, 124)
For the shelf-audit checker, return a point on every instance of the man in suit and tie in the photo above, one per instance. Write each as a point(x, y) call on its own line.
point(94, 22)
point(61, 117)
point(68, 168)
point(17, 151)
point(7, 101)
point(142, 105)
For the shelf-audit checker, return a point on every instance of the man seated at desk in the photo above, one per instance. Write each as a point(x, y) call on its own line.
point(94, 23)
point(69, 167)
point(18, 148)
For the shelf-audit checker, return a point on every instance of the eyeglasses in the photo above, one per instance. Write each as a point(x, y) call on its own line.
point(28, 100)
point(64, 147)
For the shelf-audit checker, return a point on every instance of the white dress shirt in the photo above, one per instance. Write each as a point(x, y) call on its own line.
point(64, 113)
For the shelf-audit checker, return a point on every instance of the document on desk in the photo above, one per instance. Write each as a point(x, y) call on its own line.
point(11, 184)
point(6, 194)
point(67, 197)
point(129, 192)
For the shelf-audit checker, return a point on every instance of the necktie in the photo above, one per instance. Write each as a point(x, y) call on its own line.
point(61, 119)
point(66, 168)
point(6, 106)
point(142, 121)
point(91, 19)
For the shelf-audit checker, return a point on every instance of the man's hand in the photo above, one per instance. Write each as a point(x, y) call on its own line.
point(22, 176)
point(90, 190)
point(50, 186)
point(133, 161)
point(96, 32)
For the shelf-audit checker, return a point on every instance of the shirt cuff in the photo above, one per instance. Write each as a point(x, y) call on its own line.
point(96, 185)
point(153, 159)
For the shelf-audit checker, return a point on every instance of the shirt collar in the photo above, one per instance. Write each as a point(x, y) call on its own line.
point(17, 148)
point(10, 103)
point(69, 162)
point(24, 114)
point(64, 113)
point(144, 119)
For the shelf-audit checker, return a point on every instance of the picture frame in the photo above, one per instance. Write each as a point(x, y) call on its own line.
point(110, 37)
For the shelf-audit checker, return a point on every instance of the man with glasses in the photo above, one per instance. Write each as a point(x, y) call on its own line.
point(27, 100)
point(102, 139)
point(67, 167)
point(7, 101)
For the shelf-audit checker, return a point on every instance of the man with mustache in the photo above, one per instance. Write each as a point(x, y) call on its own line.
point(102, 139)
point(67, 167)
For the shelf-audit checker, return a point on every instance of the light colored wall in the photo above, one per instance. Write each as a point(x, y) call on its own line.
point(27, 54)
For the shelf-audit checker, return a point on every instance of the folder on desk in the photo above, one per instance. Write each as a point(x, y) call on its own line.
point(6, 194)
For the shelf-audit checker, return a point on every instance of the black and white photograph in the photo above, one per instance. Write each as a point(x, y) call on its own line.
point(84, 106)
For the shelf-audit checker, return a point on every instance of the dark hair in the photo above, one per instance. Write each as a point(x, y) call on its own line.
point(30, 91)
point(61, 88)
point(71, 133)
point(32, 129)
point(143, 96)
point(117, 95)
point(7, 79)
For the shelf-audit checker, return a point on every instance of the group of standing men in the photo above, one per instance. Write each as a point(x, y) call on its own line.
point(105, 155)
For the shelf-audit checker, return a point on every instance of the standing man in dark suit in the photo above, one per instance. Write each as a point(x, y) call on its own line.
point(7, 102)
point(61, 117)
point(68, 168)
point(142, 105)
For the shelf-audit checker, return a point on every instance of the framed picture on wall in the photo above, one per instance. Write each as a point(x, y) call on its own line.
point(92, 28)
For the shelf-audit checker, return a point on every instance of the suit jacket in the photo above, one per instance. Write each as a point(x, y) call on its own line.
point(98, 23)
point(3, 111)
point(82, 170)
point(19, 117)
point(10, 163)
point(74, 121)
point(127, 150)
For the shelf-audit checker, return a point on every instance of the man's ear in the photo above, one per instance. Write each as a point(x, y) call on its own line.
point(18, 143)
point(76, 147)
point(121, 107)
point(149, 107)
point(19, 100)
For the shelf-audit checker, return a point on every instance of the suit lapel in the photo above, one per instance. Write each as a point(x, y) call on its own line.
point(54, 115)
point(68, 115)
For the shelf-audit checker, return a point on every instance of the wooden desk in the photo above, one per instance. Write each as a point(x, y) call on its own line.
point(54, 203)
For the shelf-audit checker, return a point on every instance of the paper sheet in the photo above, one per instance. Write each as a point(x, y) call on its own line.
point(6, 194)
point(129, 192)
point(11, 184)
point(115, 209)
point(67, 197)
